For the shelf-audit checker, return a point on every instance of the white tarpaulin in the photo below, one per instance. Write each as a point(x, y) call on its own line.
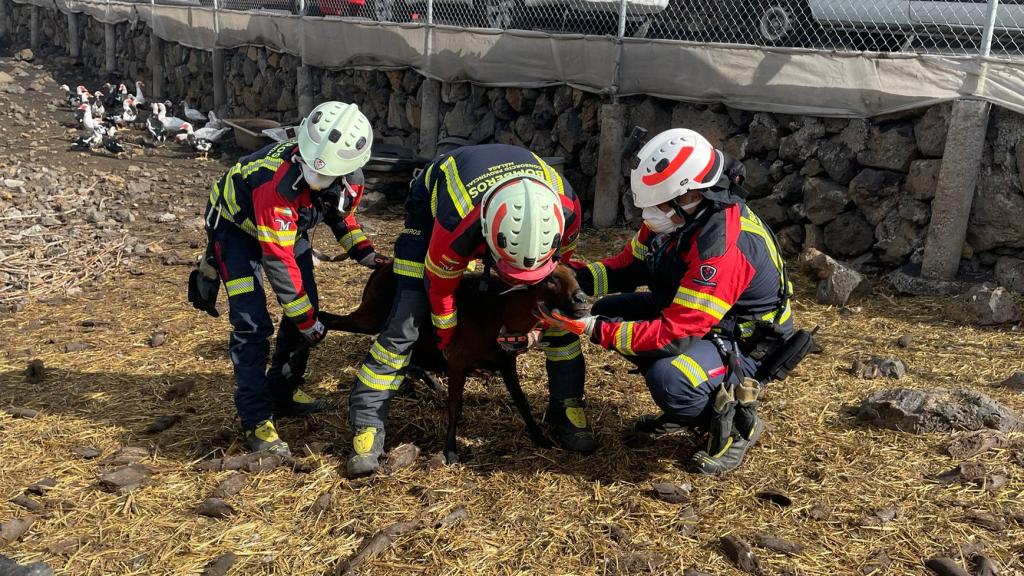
point(793, 81)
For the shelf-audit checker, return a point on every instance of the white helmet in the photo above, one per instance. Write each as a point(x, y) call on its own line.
point(671, 164)
point(523, 225)
point(335, 139)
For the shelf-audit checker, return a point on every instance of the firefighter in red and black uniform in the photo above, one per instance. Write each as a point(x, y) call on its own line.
point(715, 278)
point(257, 219)
point(493, 201)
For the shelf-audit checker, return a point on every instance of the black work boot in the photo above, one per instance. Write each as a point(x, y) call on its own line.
point(263, 438)
point(367, 448)
point(657, 424)
point(300, 405)
point(569, 426)
point(745, 429)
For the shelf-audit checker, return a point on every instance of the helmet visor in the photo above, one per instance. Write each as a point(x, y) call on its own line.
point(513, 275)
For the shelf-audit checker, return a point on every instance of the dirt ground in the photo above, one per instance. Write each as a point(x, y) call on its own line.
point(858, 494)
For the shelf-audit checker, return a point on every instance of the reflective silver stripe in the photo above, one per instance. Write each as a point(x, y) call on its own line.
point(297, 307)
point(564, 353)
point(240, 285)
point(352, 238)
point(600, 273)
point(377, 381)
point(408, 268)
point(689, 367)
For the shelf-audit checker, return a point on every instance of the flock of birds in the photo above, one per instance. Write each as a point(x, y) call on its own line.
point(102, 114)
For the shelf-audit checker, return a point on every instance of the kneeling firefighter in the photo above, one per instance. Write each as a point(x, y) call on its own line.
point(716, 321)
point(258, 218)
point(492, 201)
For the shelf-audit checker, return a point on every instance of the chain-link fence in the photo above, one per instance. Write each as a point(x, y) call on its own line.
point(908, 26)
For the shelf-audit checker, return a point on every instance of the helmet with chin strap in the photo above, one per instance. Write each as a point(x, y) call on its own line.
point(523, 225)
point(335, 139)
point(677, 161)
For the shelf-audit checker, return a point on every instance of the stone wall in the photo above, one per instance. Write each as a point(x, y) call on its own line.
point(859, 189)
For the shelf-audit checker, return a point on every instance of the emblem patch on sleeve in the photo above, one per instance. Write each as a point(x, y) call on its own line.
point(707, 274)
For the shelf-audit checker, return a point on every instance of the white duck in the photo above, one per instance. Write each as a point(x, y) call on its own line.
point(191, 114)
point(93, 131)
point(83, 98)
point(171, 123)
point(213, 121)
point(154, 125)
point(139, 98)
point(74, 100)
point(202, 140)
point(98, 110)
point(128, 113)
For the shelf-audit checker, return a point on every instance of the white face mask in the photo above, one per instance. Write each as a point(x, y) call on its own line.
point(315, 180)
point(659, 222)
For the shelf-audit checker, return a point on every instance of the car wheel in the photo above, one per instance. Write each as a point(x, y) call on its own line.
point(778, 22)
point(503, 14)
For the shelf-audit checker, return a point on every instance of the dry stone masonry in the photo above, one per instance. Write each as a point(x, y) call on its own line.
point(860, 190)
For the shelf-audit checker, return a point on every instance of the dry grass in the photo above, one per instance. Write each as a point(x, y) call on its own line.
point(530, 511)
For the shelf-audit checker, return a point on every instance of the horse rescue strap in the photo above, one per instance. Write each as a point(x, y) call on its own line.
point(204, 281)
point(514, 343)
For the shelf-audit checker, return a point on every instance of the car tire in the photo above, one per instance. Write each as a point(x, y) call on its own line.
point(778, 22)
point(504, 14)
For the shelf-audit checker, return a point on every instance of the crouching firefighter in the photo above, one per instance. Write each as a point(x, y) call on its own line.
point(258, 218)
point(717, 308)
point(493, 201)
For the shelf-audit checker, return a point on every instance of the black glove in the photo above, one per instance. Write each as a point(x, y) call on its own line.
point(315, 333)
point(202, 292)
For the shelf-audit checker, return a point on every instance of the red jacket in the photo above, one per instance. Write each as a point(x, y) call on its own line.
point(264, 194)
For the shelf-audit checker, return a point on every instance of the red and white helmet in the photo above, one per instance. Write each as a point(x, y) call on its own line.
point(671, 164)
point(523, 226)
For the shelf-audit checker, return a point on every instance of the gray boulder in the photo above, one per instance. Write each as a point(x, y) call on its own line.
point(824, 199)
point(764, 134)
point(460, 120)
point(986, 306)
point(849, 235)
point(936, 410)
point(1014, 382)
point(714, 126)
point(908, 280)
point(837, 282)
point(9, 567)
point(1010, 273)
point(876, 193)
point(923, 178)
point(756, 181)
point(790, 189)
point(897, 238)
point(837, 160)
point(770, 211)
point(802, 144)
point(891, 148)
point(930, 131)
point(855, 135)
point(997, 215)
point(879, 367)
point(650, 114)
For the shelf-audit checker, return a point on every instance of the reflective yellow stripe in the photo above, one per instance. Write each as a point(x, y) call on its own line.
point(352, 238)
point(552, 333)
point(279, 237)
point(297, 307)
point(463, 202)
point(376, 381)
point(551, 175)
point(228, 192)
point(240, 285)
point(442, 272)
point(408, 268)
point(433, 201)
point(600, 273)
point(387, 357)
point(269, 163)
point(564, 353)
point(711, 305)
point(637, 248)
point(444, 321)
point(693, 372)
point(624, 338)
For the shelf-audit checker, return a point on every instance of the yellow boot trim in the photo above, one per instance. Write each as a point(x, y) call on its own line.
point(302, 398)
point(266, 432)
point(362, 443)
point(577, 416)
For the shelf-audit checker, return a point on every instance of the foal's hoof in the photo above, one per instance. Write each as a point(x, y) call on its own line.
point(451, 457)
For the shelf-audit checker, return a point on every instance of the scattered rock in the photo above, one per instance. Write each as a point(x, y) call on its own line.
point(880, 517)
point(374, 545)
point(26, 503)
point(74, 347)
point(985, 520)
point(1014, 382)
point(905, 341)
point(984, 566)
point(824, 200)
point(635, 562)
point(878, 367)
point(820, 512)
point(320, 505)
point(672, 493)
point(945, 567)
point(436, 462)
point(19, 412)
point(775, 496)
point(838, 283)
point(162, 423)
point(966, 473)
point(776, 544)
point(220, 565)
point(86, 452)
point(458, 514)
point(936, 410)
point(1009, 273)
point(741, 554)
point(401, 456)
point(971, 444)
point(254, 462)
point(695, 572)
point(43, 486)
point(127, 455)
point(15, 528)
point(908, 280)
point(25, 55)
point(617, 533)
point(179, 391)
point(877, 563)
point(230, 486)
point(215, 508)
point(9, 567)
point(65, 547)
point(158, 339)
point(987, 306)
point(35, 372)
point(124, 479)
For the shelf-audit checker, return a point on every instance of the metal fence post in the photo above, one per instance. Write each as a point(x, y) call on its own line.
point(74, 36)
point(990, 25)
point(622, 19)
point(220, 93)
point(109, 48)
point(3, 20)
point(35, 34)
